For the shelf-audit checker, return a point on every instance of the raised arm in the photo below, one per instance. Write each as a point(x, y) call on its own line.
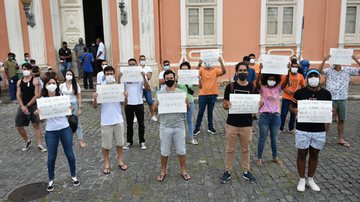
point(321, 67)
point(223, 70)
point(146, 83)
point(258, 79)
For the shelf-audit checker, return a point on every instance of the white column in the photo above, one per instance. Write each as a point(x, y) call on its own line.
point(37, 34)
point(13, 25)
point(263, 28)
point(342, 24)
point(126, 41)
point(107, 31)
point(183, 29)
point(299, 17)
point(219, 29)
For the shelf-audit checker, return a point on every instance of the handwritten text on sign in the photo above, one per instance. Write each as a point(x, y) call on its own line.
point(209, 55)
point(131, 74)
point(314, 111)
point(171, 103)
point(340, 56)
point(110, 93)
point(244, 103)
point(274, 64)
point(188, 77)
point(51, 107)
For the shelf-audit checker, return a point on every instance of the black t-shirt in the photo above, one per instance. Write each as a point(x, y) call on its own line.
point(238, 120)
point(306, 94)
point(65, 52)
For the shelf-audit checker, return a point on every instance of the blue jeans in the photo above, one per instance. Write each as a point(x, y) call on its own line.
point(285, 103)
point(148, 96)
point(268, 122)
point(79, 131)
point(204, 100)
point(189, 118)
point(52, 141)
point(12, 87)
point(65, 67)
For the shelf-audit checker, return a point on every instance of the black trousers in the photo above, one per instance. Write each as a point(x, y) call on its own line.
point(88, 78)
point(138, 110)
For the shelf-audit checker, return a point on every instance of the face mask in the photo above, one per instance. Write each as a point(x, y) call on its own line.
point(26, 72)
point(69, 77)
point(294, 70)
point(166, 67)
point(11, 58)
point(252, 61)
point(314, 81)
point(103, 66)
point(51, 88)
point(110, 79)
point(142, 62)
point(242, 76)
point(208, 64)
point(169, 83)
point(27, 58)
point(271, 83)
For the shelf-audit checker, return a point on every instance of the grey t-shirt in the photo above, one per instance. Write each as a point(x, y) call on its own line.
point(175, 119)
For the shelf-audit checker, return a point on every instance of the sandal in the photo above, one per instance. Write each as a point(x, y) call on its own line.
point(277, 161)
point(106, 171)
point(185, 176)
point(259, 163)
point(123, 167)
point(345, 144)
point(161, 177)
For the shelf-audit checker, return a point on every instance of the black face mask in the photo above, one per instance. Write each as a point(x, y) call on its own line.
point(242, 76)
point(169, 83)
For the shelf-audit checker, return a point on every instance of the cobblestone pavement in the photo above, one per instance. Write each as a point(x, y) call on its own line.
point(337, 175)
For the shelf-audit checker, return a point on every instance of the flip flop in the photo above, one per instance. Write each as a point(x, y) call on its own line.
point(185, 176)
point(123, 167)
point(345, 144)
point(160, 178)
point(106, 171)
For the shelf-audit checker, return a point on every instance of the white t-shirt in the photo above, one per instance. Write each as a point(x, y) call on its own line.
point(99, 77)
point(64, 90)
point(102, 49)
point(56, 123)
point(135, 91)
point(146, 69)
point(111, 113)
point(161, 76)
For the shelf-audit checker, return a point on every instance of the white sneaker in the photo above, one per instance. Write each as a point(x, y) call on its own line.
point(301, 185)
point(153, 118)
point(194, 142)
point(42, 148)
point(143, 146)
point(75, 181)
point(311, 183)
point(50, 186)
point(135, 119)
point(126, 146)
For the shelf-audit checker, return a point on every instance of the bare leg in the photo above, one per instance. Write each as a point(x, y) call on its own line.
point(340, 129)
point(22, 133)
point(301, 161)
point(120, 158)
point(163, 164)
point(313, 161)
point(327, 127)
point(38, 134)
point(106, 158)
point(182, 160)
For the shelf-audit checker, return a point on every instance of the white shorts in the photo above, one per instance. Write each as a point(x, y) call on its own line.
point(303, 139)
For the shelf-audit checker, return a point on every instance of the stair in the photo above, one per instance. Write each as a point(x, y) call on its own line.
point(86, 94)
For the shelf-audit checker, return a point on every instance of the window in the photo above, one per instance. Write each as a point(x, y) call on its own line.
point(280, 22)
point(201, 24)
point(352, 26)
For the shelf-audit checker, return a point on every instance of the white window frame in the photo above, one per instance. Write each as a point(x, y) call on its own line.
point(353, 38)
point(201, 40)
point(280, 38)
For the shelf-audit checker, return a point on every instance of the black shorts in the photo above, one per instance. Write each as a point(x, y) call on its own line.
point(22, 119)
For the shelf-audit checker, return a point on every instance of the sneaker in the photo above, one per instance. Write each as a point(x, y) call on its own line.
point(135, 119)
point(126, 146)
point(196, 132)
point(194, 142)
point(27, 145)
point(142, 145)
point(212, 131)
point(292, 132)
point(153, 118)
point(75, 181)
point(42, 148)
point(301, 186)
point(311, 183)
point(226, 176)
point(249, 177)
point(50, 186)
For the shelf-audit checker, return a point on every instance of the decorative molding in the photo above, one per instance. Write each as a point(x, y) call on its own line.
point(299, 17)
point(262, 27)
point(342, 23)
point(126, 40)
point(107, 30)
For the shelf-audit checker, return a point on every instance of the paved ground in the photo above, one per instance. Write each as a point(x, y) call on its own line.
point(338, 175)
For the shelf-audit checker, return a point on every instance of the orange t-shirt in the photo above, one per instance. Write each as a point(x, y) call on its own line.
point(256, 67)
point(296, 82)
point(209, 81)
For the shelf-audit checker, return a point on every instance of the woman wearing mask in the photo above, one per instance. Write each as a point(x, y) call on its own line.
point(72, 89)
point(269, 88)
point(57, 129)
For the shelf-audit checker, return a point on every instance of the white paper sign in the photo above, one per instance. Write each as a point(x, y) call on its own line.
point(171, 103)
point(209, 55)
point(341, 56)
point(110, 93)
point(244, 103)
point(314, 111)
point(131, 74)
point(51, 107)
point(275, 64)
point(188, 77)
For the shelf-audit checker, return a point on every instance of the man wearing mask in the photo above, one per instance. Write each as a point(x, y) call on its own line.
point(26, 94)
point(65, 58)
point(27, 59)
point(166, 66)
point(11, 68)
point(79, 51)
point(296, 81)
point(337, 82)
point(253, 63)
point(100, 54)
point(208, 93)
point(251, 78)
point(100, 76)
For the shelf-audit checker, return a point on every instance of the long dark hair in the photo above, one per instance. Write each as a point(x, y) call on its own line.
point(265, 77)
point(44, 91)
point(73, 82)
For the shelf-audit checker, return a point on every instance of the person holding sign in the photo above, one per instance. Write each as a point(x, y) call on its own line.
point(166, 66)
point(337, 83)
point(112, 125)
point(172, 127)
point(269, 88)
point(310, 137)
point(72, 89)
point(239, 126)
point(57, 129)
point(208, 93)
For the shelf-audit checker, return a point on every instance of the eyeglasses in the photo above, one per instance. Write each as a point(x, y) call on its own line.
point(242, 70)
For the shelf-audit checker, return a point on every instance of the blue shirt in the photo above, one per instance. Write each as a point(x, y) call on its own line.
point(251, 75)
point(86, 60)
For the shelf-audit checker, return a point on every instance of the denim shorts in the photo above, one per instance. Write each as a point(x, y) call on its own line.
point(148, 96)
point(303, 139)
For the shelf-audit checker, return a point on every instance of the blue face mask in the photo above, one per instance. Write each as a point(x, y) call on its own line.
point(166, 67)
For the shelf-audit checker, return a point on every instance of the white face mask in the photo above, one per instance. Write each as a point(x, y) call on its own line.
point(252, 61)
point(208, 64)
point(142, 62)
point(69, 77)
point(110, 79)
point(313, 81)
point(166, 67)
point(27, 58)
point(271, 83)
point(294, 70)
point(26, 72)
point(103, 66)
point(51, 88)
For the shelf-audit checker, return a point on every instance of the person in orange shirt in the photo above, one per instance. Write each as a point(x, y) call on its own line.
point(253, 64)
point(208, 93)
point(296, 81)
